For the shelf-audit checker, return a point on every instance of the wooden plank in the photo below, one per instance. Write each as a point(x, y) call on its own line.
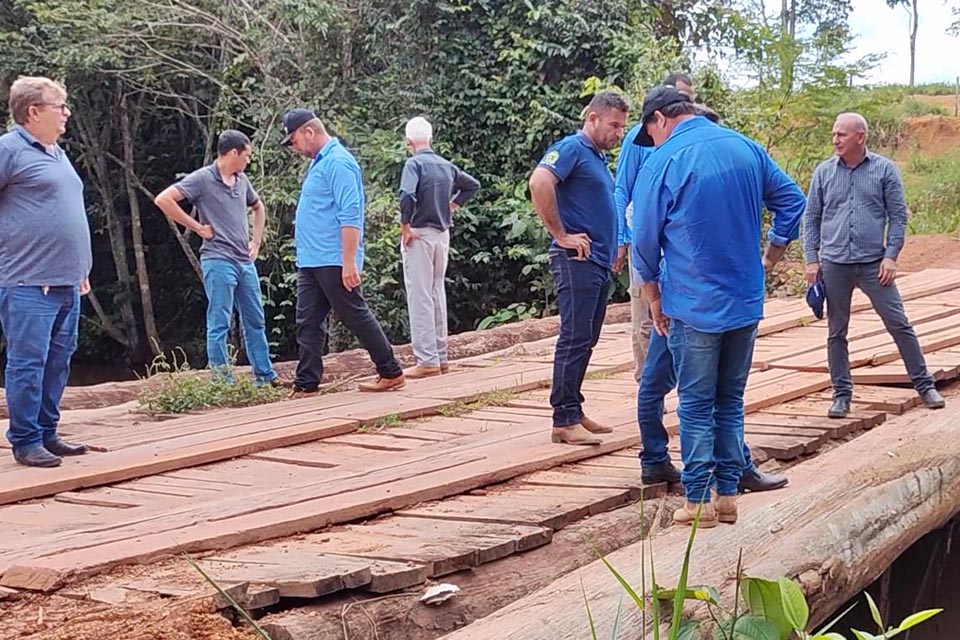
point(779, 447)
point(443, 546)
point(836, 428)
point(856, 483)
point(7, 593)
point(536, 506)
point(105, 468)
point(293, 571)
point(247, 518)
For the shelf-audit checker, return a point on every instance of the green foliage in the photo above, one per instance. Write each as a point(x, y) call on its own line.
point(175, 388)
point(932, 186)
point(772, 609)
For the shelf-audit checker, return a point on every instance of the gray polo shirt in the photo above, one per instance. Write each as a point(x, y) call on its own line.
point(44, 234)
point(427, 185)
point(855, 214)
point(224, 208)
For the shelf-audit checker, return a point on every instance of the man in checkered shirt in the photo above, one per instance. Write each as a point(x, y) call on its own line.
point(854, 228)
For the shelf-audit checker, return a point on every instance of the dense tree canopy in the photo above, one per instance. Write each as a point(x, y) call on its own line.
point(151, 85)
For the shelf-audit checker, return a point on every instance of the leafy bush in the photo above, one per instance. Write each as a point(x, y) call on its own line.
point(176, 388)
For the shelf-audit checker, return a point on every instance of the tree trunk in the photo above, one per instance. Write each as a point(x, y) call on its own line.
point(846, 516)
point(913, 43)
point(94, 160)
point(146, 301)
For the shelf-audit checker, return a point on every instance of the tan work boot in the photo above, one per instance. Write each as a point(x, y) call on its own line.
point(727, 509)
point(422, 371)
point(444, 367)
point(686, 514)
point(594, 427)
point(574, 434)
point(384, 384)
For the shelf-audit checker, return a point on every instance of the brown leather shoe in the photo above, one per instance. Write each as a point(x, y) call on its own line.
point(383, 384)
point(727, 509)
point(421, 371)
point(594, 427)
point(297, 393)
point(574, 434)
point(686, 514)
point(444, 367)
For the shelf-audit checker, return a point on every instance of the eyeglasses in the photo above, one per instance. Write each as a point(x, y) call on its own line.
point(62, 107)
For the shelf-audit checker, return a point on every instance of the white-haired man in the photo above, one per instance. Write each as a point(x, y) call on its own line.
point(431, 187)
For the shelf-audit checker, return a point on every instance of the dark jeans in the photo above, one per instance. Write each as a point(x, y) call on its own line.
point(839, 281)
point(582, 291)
point(657, 380)
point(320, 290)
point(41, 333)
point(712, 370)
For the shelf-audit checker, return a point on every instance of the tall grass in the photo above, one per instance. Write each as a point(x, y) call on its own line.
point(933, 193)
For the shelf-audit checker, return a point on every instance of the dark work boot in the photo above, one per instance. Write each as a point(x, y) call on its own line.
point(36, 456)
point(60, 447)
point(663, 472)
point(932, 399)
point(840, 408)
point(757, 480)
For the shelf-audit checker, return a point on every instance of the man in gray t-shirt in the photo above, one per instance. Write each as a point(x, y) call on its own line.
point(222, 193)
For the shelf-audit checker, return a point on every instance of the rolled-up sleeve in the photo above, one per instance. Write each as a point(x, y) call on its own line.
point(651, 205)
point(896, 211)
point(784, 198)
point(346, 186)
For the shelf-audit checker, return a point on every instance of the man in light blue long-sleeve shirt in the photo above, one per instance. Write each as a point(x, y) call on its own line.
point(700, 209)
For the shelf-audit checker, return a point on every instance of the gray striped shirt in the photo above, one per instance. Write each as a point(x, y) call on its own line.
point(855, 215)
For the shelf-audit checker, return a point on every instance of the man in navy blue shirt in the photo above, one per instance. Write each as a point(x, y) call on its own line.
point(329, 238)
point(45, 261)
point(572, 192)
point(707, 293)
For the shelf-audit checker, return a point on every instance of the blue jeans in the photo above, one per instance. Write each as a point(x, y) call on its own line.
point(228, 283)
point(712, 370)
point(582, 291)
point(657, 380)
point(41, 333)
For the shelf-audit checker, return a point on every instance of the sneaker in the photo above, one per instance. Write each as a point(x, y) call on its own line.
point(383, 384)
point(932, 399)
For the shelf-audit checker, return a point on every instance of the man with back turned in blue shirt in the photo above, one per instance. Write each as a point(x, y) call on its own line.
point(45, 261)
point(572, 192)
point(698, 206)
point(854, 229)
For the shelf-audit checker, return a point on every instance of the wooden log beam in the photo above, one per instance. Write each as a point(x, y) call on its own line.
point(842, 521)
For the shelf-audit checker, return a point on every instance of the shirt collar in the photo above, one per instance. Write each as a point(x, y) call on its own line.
point(695, 122)
point(215, 170)
point(866, 156)
point(327, 148)
point(33, 142)
point(585, 140)
point(427, 150)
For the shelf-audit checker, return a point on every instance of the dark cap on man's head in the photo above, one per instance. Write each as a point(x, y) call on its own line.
point(657, 99)
point(293, 120)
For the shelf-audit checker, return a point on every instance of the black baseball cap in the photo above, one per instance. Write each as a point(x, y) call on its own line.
point(293, 120)
point(658, 98)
